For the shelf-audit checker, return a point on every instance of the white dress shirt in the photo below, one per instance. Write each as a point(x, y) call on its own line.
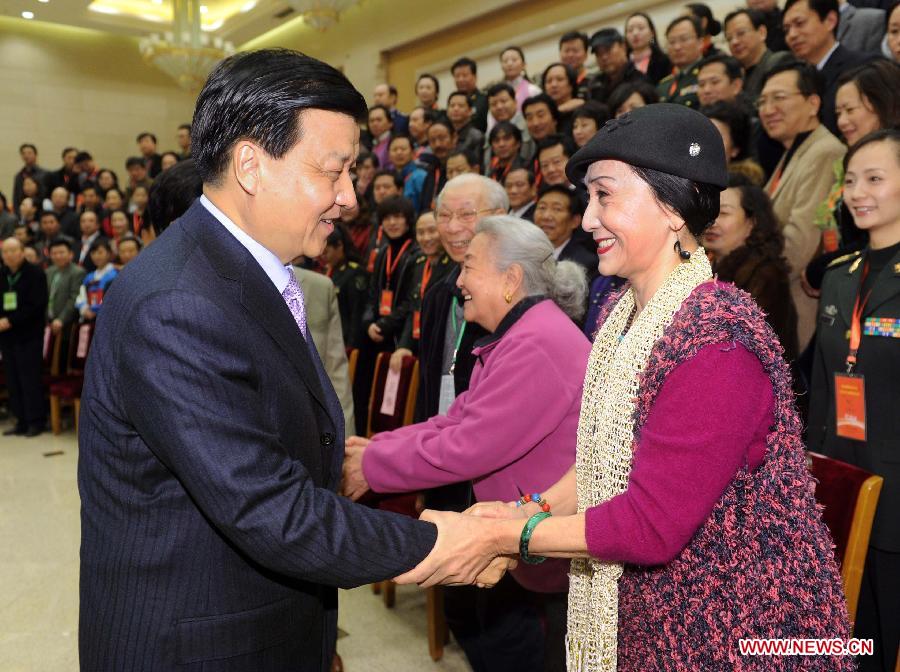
point(278, 273)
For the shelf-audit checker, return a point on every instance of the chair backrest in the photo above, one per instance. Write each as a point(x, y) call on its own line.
point(352, 359)
point(849, 496)
point(405, 400)
point(79, 346)
point(52, 351)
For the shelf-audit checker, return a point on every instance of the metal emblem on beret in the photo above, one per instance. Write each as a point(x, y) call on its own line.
point(694, 149)
point(614, 123)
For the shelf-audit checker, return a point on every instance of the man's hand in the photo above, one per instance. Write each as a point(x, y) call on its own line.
point(397, 358)
point(502, 510)
point(56, 326)
point(375, 333)
point(5, 324)
point(88, 314)
point(466, 553)
point(354, 484)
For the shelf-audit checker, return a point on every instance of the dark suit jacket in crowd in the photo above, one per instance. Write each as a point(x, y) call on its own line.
point(211, 445)
point(841, 60)
point(64, 292)
point(861, 29)
point(29, 317)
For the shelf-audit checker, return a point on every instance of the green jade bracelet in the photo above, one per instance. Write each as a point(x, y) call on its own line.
point(524, 540)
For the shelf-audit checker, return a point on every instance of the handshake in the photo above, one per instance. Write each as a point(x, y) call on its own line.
point(472, 547)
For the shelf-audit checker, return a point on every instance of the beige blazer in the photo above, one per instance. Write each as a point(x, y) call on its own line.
point(804, 184)
point(323, 319)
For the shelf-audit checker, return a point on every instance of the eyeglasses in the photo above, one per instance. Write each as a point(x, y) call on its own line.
point(738, 34)
point(776, 99)
point(464, 216)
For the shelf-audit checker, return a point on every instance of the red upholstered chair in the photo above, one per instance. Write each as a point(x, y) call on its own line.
point(849, 496)
point(67, 389)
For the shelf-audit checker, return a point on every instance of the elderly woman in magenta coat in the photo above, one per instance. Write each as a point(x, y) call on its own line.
point(514, 430)
point(689, 513)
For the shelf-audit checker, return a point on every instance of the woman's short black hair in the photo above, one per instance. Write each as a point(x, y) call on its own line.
point(592, 110)
point(571, 75)
point(738, 121)
point(397, 205)
point(879, 83)
point(112, 174)
point(98, 243)
point(505, 128)
point(117, 190)
point(258, 96)
point(625, 90)
point(696, 203)
point(393, 174)
point(131, 239)
point(172, 193)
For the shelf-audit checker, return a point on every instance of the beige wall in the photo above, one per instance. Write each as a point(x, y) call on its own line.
point(68, 86)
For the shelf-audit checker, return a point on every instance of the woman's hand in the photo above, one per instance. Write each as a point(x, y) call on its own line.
point(502, 510)
point(374, 332)
point(466, 553)
point(397, 358)
point(354, 484)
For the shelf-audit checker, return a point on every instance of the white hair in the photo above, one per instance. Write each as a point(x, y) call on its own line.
point(495, 197)
point(517, 241)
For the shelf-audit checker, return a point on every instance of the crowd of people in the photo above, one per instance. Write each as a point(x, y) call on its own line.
point(805, 99)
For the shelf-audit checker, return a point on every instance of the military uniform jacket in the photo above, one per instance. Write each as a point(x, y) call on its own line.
point(352, 284)
point(879, 363)
point(440, 269)
point(680, 87)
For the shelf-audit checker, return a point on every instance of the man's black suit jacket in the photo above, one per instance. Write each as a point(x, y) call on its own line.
point(210, 450)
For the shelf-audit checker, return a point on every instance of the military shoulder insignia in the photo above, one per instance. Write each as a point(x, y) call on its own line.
point(843, 259)
point(854, 265)
point(830, 310)
point(421, 259)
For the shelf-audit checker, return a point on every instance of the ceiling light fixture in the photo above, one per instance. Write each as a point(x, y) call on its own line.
point(321, 14)
point(186, 54)
point(28, 15)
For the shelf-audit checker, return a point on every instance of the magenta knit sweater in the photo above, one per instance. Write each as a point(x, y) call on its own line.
point(760, 564)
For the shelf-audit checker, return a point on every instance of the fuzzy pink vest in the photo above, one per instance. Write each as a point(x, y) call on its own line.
point(762, 566)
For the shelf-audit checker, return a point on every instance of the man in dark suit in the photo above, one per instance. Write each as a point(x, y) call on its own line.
point(558, 214)
point(861, 28)
point(210, 438)
point(23, 310)
point(810, 27)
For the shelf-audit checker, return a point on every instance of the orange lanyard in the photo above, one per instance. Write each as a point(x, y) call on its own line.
point(776, 180)
point(426, 276)
point(437, 183)
point(856, 320)
point(673, 87)
point(391, 267)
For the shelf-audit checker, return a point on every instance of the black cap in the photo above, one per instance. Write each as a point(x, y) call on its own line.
point(669, 138)
point(605, 37)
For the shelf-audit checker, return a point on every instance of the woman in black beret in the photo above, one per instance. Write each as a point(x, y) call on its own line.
point(689, 512)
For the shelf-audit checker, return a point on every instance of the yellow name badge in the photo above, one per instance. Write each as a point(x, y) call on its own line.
point(10, 301)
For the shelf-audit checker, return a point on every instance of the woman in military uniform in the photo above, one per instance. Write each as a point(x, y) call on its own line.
point(351, 280)
point(857, 360)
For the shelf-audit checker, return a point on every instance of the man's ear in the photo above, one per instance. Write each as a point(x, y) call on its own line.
point(245, 164)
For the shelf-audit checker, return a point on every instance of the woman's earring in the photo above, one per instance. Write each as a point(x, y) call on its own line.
point(508, 297)
point(684, 255)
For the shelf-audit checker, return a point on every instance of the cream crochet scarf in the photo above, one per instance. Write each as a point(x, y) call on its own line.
point(604, 452)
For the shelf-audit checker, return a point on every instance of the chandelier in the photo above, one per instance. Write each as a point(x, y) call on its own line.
point(186, 54)
point(321, 14)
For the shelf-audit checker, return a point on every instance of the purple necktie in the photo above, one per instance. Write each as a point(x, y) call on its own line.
point(293, 296)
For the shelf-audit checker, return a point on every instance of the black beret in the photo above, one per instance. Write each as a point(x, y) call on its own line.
point(669, 138)
point(605, 37)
